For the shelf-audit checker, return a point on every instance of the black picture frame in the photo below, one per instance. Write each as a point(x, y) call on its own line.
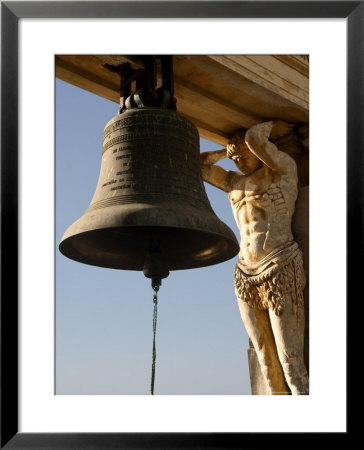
point(11, 12)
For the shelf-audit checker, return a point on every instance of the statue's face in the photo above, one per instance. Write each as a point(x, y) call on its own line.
point(245, 160)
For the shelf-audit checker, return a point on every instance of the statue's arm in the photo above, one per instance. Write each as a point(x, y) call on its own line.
point(215, 175)
point(212, 157)
point(257, 140)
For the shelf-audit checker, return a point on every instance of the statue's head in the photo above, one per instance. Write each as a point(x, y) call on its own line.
point(238, 151)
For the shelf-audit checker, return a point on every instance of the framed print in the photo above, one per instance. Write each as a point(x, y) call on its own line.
point(33, 414)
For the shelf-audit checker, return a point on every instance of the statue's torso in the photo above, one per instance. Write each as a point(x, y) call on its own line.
point(263, 205)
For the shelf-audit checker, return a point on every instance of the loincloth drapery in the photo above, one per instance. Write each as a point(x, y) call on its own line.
point(268, 284)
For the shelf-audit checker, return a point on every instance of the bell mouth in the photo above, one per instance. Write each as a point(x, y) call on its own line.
point(127, 248)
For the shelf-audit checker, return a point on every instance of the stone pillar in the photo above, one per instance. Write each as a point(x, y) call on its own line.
point(300, 228)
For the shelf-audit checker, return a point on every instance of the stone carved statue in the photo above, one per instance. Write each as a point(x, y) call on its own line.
point(269, 275)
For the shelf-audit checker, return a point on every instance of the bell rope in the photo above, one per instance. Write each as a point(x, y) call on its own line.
point(156, 283)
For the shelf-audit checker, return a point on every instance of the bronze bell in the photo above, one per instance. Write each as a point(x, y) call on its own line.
point(150, 210)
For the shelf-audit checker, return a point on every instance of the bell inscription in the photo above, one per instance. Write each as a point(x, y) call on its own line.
point(150, 154)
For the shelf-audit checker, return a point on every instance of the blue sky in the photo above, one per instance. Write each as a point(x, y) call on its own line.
point(104, 316)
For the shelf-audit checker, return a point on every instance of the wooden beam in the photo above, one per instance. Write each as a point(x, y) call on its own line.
point(280, 79)
point(220, 94)
point(214, 109)
point(87, 79)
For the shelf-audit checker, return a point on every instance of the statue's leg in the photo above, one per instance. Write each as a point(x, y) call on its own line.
point(288, 329)
point(259, 329)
